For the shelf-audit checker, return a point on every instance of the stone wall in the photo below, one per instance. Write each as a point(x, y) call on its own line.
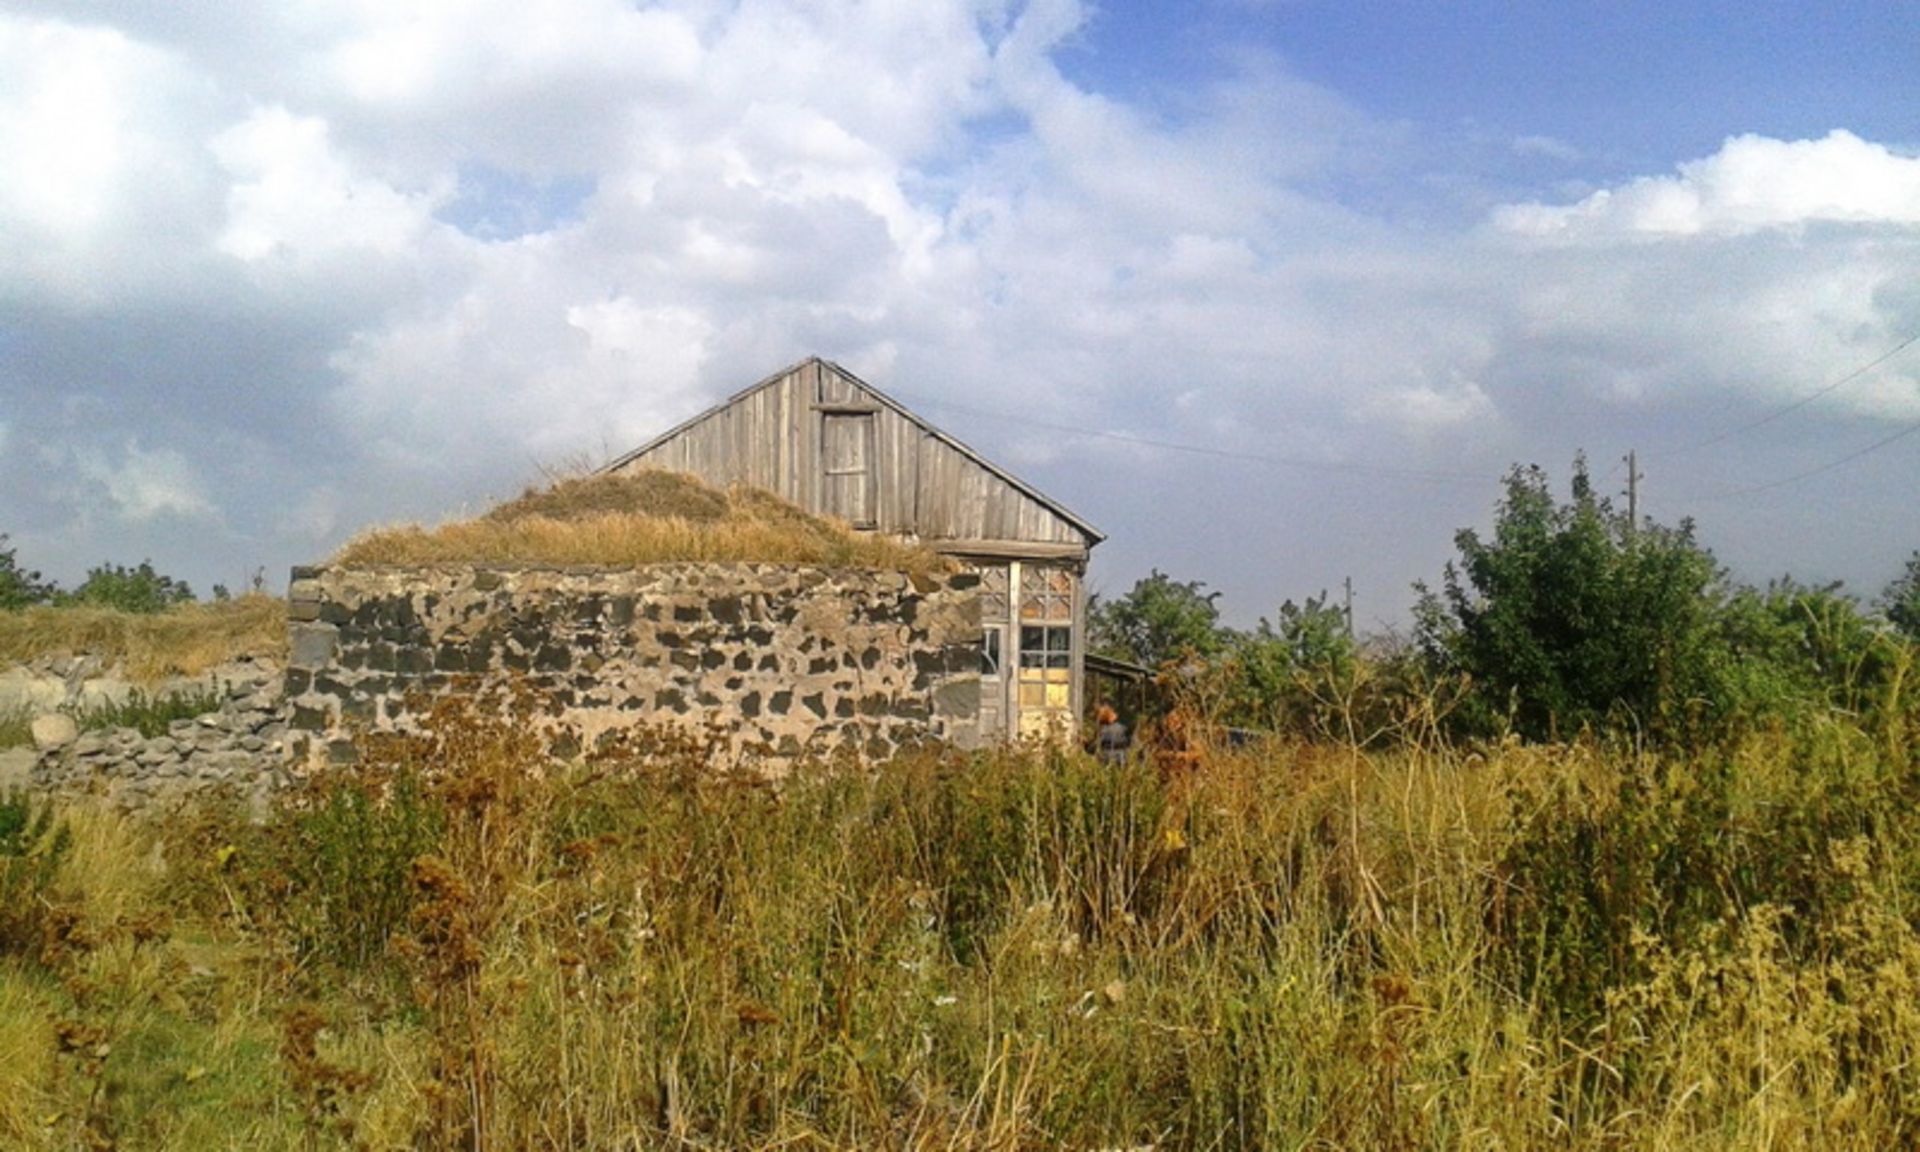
point(785, 661)
point(236, 747)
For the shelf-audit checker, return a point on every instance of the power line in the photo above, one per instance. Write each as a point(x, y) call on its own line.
point(1198, 449)
point(1849, 458)
point(1793, 406)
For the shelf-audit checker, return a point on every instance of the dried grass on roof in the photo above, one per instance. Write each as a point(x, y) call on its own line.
point(629, 520)
point(183, 641)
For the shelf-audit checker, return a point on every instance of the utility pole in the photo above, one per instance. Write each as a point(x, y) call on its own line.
point(1348, 582)
point(1633, 494)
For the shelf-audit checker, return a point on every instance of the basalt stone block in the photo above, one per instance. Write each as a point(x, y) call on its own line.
point(297, 681)
point(686, 614)
point(815, 703)
point(303, 611)
point(380, 656)
point(726, 610)
point(743, 662)
point(821, 665)
point(670, 700)
point(957, 699)
point(870, 659)
point(488, 581)
point(769, 663)
point(342, 752)
point(844, 708)
point(312, 645)
point(308, 719)
point(750, 705)
point(553, 658)
point(760, 637)
point(620, 611)
point(780, 703)
point(411, 661)
point(712, 658)
point(686, 660)
point(358, 709)
point(334, 612)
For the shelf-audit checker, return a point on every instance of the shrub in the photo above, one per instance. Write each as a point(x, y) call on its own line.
point(340, 874)
point(32, 844)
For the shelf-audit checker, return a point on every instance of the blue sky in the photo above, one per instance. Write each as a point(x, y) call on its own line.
point(1274, 292)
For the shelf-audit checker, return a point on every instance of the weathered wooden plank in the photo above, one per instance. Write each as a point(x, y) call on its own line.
point(1010, 549)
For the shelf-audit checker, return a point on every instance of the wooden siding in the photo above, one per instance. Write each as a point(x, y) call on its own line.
point(887, 470)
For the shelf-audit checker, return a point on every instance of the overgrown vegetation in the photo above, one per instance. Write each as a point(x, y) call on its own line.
point(646, 518)
point(457, 943)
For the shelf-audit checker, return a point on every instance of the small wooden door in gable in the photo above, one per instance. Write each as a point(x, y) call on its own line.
point(846, 454)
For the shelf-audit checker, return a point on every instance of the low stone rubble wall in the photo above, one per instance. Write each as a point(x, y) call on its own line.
point(239, 747)
point(782, 661)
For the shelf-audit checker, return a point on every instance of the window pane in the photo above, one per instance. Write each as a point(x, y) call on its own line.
point(1059, 639)
point(990, 653)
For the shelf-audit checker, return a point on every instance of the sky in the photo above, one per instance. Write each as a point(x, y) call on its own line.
point(1274, 292)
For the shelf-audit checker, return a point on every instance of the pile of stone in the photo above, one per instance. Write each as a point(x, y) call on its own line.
point(240, 748)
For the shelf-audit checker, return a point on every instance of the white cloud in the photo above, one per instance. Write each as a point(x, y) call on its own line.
point(146, 484)
point(292, 196)
point(1752, 183)
point(101, 190)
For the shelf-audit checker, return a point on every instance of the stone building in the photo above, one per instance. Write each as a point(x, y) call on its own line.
point(821, 437)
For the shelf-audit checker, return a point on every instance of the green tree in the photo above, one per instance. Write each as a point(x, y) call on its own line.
point(1160, 620)
point(1791, 647)
point(1573, 616)
point(1291, 671)
point(138, 589)
point(19, 587)
point(1900, 601)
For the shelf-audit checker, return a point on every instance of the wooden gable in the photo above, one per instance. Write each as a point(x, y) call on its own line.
point(835, 445)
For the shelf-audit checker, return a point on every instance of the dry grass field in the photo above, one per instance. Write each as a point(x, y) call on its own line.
point(457, 944)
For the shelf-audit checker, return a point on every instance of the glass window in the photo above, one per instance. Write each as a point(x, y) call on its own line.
point(990, 653)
